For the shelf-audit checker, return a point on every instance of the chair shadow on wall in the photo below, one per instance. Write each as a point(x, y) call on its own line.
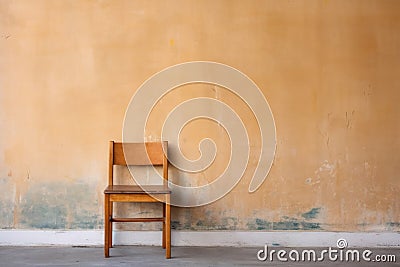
point(137, 154)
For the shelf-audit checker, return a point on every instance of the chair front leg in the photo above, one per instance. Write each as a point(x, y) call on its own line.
point(168, 228)
point(111, 224)
point(107, 225)
point(163, 226)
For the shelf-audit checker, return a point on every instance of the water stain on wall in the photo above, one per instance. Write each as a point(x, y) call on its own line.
point(6, 214)
point(311, 214)
point(302, 222)
point(60, 206)
point(7, 203)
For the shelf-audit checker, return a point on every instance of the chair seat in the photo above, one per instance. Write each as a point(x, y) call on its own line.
point(135, 189)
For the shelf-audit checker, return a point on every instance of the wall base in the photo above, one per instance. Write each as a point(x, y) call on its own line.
point(183, 238)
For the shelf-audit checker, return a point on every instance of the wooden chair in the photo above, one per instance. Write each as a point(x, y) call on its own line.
point(141, 154)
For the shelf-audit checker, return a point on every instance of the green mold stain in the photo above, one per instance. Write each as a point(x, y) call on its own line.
point(60, 206)
point(286, 225)
point(312, 214)
point(200, 223)
point(6, 214)
point(310, 226)
point(393, 226)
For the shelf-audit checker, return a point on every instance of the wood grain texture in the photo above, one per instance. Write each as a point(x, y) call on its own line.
point(149, 153)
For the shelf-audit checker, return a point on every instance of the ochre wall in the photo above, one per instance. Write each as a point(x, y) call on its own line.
point(328, 69)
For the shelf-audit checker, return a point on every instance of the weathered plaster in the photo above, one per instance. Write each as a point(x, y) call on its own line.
point(329, 70)
point(60, 206)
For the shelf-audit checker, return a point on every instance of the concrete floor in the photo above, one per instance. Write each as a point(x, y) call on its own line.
point(154, 256)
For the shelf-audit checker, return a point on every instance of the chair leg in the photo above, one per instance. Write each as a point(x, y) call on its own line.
point(111, 207)
point(168, 228)
point(106, 225)
point(163, 227)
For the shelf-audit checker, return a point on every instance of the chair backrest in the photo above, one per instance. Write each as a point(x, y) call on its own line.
point(139, 154)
